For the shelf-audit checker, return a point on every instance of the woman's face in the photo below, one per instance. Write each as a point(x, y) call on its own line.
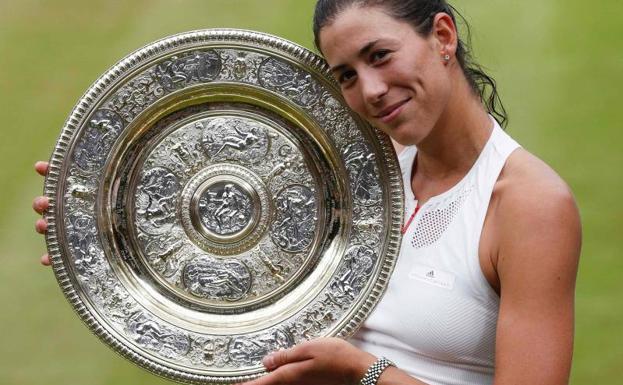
point(391, 76)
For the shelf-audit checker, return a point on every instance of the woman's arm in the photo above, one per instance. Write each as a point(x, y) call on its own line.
point(326, 361)
point(538, 231)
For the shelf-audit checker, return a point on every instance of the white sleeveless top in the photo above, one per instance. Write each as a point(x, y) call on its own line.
point(437, 320)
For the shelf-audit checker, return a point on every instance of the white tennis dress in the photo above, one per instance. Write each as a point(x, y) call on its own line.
point(437, 320)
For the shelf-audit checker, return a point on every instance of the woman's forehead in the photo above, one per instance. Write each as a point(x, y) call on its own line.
point(357, 27)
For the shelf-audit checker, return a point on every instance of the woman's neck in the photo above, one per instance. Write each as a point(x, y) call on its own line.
point(452, 147)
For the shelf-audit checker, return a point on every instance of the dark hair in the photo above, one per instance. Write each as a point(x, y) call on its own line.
point(421, 14)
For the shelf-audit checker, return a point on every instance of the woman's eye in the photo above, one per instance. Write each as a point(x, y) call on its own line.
point(346, 76)
point(378, 56)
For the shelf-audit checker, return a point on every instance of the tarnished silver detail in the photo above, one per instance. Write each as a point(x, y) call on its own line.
point(212, 200)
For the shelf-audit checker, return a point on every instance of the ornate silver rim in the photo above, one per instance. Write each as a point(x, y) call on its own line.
point(57, 172)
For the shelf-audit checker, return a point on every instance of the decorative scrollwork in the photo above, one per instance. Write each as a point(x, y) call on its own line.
point(83, 241)
point(133, 98)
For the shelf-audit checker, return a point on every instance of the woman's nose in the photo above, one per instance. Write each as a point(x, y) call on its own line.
point(373, 87)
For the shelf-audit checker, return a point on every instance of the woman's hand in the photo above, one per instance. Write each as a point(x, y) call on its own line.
point(40, 204)
point(326, 361)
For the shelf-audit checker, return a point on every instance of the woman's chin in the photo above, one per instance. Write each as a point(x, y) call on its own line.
point(405, 136)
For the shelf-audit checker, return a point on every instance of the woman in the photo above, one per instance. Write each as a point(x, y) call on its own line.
point(484, 287)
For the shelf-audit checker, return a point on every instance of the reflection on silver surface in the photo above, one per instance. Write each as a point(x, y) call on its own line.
point(213, 200)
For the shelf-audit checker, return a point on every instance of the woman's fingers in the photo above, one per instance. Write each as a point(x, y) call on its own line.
point(45, 260)
point(40, 204)
point(41, 226)
point(42, 168)
point(286, 356)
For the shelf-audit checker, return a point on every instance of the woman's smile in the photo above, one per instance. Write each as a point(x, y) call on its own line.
point(390, 113)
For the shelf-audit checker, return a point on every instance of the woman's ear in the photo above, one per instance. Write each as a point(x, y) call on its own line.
point(445, 34)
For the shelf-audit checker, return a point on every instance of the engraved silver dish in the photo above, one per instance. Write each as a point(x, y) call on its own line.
point(212, 200)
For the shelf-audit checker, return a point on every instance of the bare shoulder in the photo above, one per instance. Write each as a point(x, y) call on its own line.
point(529, 189)
point(536, 214)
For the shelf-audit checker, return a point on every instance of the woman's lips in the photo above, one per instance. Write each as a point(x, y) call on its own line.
point(390, 113)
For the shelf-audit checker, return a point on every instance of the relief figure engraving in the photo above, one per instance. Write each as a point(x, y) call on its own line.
point(206, 277)
point(225, 208)
point(315, 320)
point(251, 350)
point(293, 228)
point(132, 99)
point(97, 139)
point(359, 264)
point(180, 71)
point(155, 201)
point(293, 82)
point(288, 165)
point(364, 181)
point(233, 138)
point(82, 240)
point(184, 154)
point(154, 336)
point(161, 250)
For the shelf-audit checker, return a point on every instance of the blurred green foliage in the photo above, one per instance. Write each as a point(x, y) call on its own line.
point(559, 65)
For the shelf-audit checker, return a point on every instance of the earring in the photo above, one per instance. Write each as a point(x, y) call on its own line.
point(446, 58)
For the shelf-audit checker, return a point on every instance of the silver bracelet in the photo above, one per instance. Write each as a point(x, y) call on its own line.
point(375, 370)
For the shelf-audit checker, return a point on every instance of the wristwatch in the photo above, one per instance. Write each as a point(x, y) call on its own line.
point(375, 370)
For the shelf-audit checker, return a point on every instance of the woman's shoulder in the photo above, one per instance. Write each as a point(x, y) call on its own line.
point(527, 180)
point(534, 211)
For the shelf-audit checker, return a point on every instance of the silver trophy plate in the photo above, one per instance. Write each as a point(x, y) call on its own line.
point(212, 200)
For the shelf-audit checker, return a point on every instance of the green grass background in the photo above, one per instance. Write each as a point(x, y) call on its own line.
point(559, 65)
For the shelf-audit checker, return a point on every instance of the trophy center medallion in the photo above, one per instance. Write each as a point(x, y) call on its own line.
point(225, 209)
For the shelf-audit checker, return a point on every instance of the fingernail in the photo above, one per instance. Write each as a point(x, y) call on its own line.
point(269, 361)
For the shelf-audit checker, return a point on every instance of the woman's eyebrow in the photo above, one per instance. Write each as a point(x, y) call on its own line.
point(362, 52)
point(366, 48)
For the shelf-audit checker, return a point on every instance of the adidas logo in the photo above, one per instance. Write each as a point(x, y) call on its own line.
point(431, 274)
